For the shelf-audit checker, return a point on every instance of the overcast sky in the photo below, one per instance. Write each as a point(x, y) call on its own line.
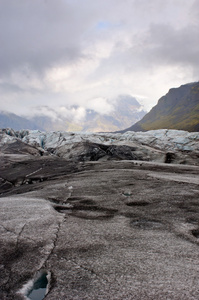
point(87, 52)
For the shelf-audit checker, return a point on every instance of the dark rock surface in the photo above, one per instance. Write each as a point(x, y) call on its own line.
point(110, 229)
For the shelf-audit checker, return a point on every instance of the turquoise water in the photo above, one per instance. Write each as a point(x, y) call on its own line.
point(39, 287)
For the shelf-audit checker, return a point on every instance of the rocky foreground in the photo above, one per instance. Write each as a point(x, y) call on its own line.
point(104, 216)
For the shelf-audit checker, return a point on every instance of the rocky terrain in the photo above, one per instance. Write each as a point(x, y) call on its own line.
point(99, 216)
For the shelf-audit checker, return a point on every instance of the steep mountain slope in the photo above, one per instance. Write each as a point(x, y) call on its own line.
point(178, 109)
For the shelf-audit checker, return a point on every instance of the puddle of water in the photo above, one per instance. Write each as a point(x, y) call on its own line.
point(127, 193)
point(38, 290)
point(37, 294)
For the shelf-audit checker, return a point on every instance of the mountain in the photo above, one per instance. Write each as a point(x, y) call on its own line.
point(126, 110)
point(16, 122)
point(178, 109)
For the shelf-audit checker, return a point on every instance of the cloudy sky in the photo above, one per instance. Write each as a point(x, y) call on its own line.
point(57, 53)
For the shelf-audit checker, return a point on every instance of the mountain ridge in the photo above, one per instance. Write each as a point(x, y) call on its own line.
point(8, 119)
point(178, 109)
point(125, 109)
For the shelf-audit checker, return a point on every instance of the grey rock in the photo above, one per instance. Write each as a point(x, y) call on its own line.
point(104, 230)
point(100, 215)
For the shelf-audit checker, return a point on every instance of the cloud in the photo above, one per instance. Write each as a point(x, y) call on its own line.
point(38, 34)
point(44, 111)
point(100, 105)
point(173, 46)
point(59, 113)
point(72, 52)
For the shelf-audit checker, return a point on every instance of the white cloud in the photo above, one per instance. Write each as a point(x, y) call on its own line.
point(44, 111)
point(61, 53)
point(100, 105)
point(79, 114)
